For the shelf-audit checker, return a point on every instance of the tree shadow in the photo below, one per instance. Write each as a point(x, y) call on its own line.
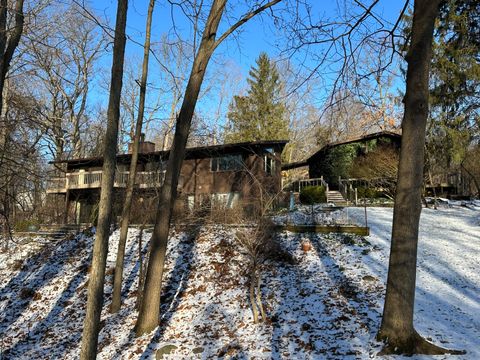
point(26, 284)
point(446, 297)
point(446, 323)
point(233, 349)
point(321, 308)
point(131, 256)
point(173, 288)
point(59, 316)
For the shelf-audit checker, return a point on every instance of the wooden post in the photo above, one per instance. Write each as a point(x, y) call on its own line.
point(291, 204)
point(81, 178)
point(67, 206)
point(356, 197)
point(365, 207)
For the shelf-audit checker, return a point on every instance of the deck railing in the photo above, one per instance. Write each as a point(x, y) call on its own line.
point(93, 179)
point(296, 186)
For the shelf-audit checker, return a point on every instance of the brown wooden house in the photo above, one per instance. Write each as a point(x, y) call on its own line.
point(369, 161)
point(221, 174)
point(345, 159)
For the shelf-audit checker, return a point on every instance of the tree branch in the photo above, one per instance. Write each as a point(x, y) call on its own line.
point(243, 21)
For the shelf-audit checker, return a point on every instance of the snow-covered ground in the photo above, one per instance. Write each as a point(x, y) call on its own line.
point(447, 303)
point(325, 304)
point(321, 214)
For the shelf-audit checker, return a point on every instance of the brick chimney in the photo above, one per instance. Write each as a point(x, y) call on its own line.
point(143, 146)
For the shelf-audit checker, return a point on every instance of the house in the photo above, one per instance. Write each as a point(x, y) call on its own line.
point(364, 156)
point(369, 162)
point(220, 174)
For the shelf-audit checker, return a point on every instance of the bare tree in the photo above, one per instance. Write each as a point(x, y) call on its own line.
point(397, 328)
point(175, 61)
point(8, 39)
point(149, 311)
point(175, 58)
point(378, 168)
point(61, 60)
point(256, 241)
point(341, 40)
point(130, 103)
point(100, 248)
point(117, 283)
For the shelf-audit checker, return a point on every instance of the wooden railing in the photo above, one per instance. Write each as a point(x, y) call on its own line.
point(93, 179)
point(343, 187)
point(349, 187)
point(296, 186)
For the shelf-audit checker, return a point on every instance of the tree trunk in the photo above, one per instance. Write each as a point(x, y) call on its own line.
point(150, 308)
point(141, 276)
point(117, 282)
point(430, 178)
point(8, 45)
point(397, 328)
point(91, 326)
point(252, 294)
point(259, 297)
point(474, 179)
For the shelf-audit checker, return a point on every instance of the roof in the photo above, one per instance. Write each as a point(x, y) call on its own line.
point(295, 165)
point(193, 152)
point(362, 138)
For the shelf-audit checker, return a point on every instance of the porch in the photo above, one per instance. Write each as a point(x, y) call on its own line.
point(93, 180)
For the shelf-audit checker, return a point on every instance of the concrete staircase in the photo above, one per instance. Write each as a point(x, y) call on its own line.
point(58, 231)
point(336, 197)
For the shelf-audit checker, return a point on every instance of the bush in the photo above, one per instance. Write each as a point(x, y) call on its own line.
point(313, 195)
point(368, 193)
point(26, 225)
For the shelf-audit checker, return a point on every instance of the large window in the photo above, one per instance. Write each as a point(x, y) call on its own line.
point(227, 163)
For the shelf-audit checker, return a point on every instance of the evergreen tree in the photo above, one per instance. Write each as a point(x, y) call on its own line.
point(259, 115)
point(455, 118)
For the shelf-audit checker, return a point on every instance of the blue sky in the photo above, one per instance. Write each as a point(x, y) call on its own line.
point(256, 36)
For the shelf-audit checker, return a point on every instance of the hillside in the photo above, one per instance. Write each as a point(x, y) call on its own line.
point(323, 303)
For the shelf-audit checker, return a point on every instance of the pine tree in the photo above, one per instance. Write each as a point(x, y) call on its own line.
point(455, 82)
point(259, 115)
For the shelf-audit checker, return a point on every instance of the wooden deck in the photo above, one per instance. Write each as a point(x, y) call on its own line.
point(93, 180)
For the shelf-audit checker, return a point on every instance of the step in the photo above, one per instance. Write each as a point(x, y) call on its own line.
point(51, 234)
point(58, 231)
point(336, 197)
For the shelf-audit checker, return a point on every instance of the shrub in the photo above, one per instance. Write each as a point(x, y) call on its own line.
point(312, 195)
point(26, 225)
point(368, 193)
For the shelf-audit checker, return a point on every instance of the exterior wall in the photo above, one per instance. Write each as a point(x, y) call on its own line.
point(198, 185)
point(335, 161)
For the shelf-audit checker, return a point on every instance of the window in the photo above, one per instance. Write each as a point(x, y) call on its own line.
point(191, 202)
point(227, 163)
point(269, 165)
point(225, 200)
